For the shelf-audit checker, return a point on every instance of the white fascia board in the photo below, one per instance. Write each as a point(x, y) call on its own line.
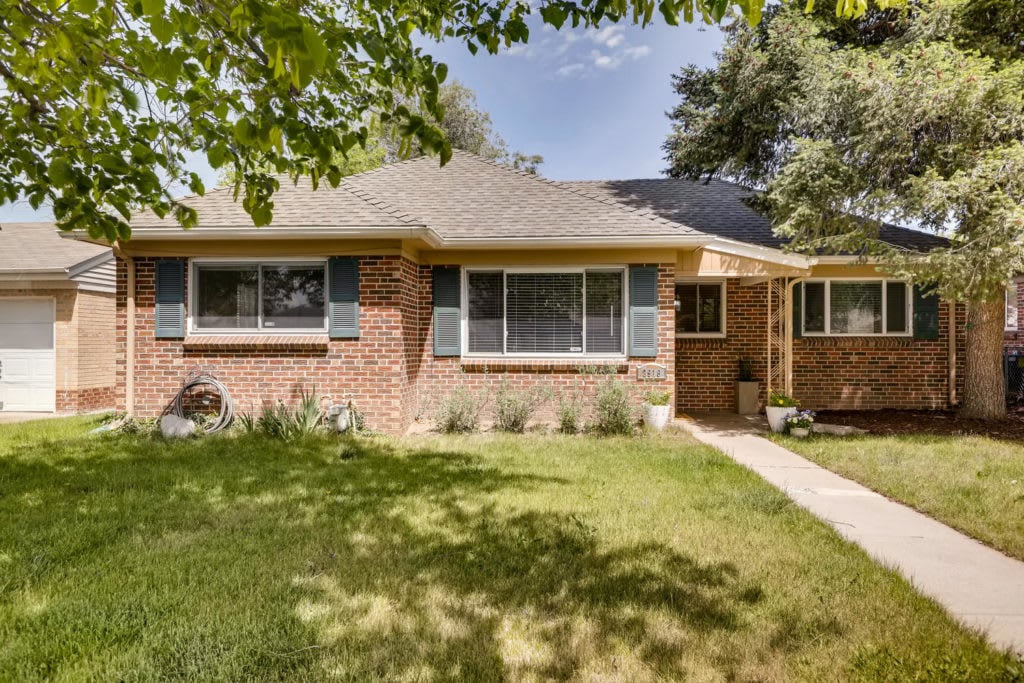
point(691, 241)
point(777, 256)
point(268, 233)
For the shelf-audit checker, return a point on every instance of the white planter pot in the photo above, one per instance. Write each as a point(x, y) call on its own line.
point(799, 432)
point(777, 417)
point(656, 417)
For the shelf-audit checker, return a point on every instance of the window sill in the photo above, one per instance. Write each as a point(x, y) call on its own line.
point(499, 364)
point(257, 341)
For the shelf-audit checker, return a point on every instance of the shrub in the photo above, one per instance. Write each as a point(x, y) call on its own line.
point(513, 409)
point(657, 397)
point(613, 410)
point(284, 422)
point(458, 413)
point(777, 399)
point(570, 410)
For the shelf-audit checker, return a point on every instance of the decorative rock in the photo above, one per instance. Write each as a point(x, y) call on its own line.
point(837, 430)
point(174, 427)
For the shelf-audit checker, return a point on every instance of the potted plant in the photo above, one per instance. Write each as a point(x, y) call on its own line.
point(801, 423)
point(656, 408)
point(780, 406)
point(748, 389)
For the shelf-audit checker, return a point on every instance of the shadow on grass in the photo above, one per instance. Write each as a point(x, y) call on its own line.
point(246, 558)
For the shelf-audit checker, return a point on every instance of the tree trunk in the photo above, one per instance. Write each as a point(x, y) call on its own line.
point(984, 391)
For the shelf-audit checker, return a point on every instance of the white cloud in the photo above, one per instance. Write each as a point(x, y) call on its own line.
point(570, 70)
point(637, 52)
point(603, 61)
point(609, 36)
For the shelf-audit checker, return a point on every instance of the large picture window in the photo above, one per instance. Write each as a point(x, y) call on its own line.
point(259, 296)
point(856, 307)
point(545, 313)
point(700, 308)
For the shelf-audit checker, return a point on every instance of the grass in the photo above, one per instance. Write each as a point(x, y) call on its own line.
point(972, 483)
point(474, 558)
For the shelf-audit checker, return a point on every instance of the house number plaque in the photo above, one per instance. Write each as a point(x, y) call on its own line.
point(651, 371)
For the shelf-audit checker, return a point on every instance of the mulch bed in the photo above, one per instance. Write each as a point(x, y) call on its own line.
point(945, 423)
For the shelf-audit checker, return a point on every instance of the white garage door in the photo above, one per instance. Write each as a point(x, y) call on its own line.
point(28, 364)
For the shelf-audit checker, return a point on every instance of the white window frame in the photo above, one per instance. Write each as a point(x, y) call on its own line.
point(909, 332)
point(1012, 292)
point(725, 307)
point(505, 271)
point(193, 293)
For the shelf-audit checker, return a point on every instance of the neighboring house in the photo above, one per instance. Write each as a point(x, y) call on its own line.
point(56, 322)
point(409, 281)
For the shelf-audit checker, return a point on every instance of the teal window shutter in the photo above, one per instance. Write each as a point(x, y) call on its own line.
point(643, 311)
point(343, 299)
point(169, 312)
point(926, 315)
point(798, 310)
point(447, 312)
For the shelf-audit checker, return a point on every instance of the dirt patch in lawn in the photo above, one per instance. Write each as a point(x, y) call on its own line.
point(942, 422)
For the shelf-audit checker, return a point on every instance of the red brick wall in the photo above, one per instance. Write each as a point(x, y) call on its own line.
point(439, 377)
point(370, 370)
point(1014, 339)
point(828, 372)
point(706, 369)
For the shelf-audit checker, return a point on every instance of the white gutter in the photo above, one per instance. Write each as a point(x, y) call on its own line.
point(568, 241)
point(178, 233)
point(737, 248)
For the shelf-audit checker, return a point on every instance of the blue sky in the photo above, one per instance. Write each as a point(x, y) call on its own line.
point(592, 103)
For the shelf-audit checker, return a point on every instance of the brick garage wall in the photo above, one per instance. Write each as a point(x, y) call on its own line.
point(439, 377)
point(706, 369)
point(371, 370)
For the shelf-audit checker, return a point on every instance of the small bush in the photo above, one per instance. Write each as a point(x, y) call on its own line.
point(281, 421)
point(458, 413)
point(657, 397)
point(613, 409)
point(570, 413)
point(513, 409)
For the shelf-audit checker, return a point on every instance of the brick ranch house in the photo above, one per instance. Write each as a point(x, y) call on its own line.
point(56, 322)
point(408, 281)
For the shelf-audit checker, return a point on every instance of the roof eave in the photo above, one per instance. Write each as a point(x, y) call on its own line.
point(769, 254)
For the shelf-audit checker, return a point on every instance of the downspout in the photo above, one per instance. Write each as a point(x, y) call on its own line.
point(789, 334)
point(129, 351)
point(952, 354)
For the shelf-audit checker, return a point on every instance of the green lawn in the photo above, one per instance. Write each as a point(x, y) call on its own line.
point(471, 558)
point(972, 483)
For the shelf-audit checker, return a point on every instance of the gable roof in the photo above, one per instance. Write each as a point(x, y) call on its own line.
point(27, 248)
point(721, 208)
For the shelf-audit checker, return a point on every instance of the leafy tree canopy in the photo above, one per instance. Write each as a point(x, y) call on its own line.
point(913, 114)
point(103, 101)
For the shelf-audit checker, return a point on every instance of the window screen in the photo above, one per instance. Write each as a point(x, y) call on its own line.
point(856, 307)
point(604, 311)
point(486, 312)
point(1011, 307)
point(545, 312)
point(698, 308)
point(226, 297)
point(293, 297)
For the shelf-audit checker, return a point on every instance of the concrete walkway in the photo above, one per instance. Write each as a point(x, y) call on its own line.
point(980, 586)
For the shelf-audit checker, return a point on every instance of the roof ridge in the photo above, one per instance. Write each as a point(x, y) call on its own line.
point(564, 186)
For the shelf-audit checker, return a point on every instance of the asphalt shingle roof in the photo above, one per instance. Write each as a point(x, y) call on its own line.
point(720, 208)
point(471, 197)
point(295, 205)
point(26, 247)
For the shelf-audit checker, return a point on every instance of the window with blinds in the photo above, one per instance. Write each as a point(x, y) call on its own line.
point(545, 313)
point(856, 308)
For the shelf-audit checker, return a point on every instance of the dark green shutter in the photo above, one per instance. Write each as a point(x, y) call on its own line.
point(926, 315)
point(447, 312)
point(343, 303)
point(643, 311)
point(798, 310)
point(169, 312)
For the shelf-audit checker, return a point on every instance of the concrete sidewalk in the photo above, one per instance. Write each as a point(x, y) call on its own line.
point(980, 586)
